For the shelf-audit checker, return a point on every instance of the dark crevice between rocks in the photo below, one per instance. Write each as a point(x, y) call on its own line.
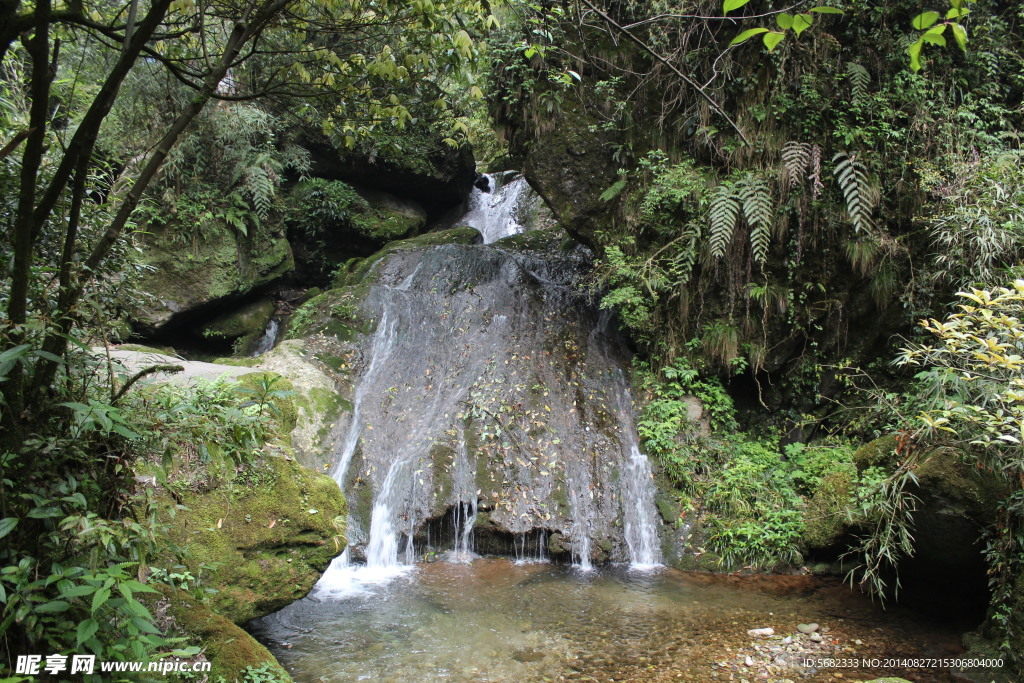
point(191, 332)
point(949, 587)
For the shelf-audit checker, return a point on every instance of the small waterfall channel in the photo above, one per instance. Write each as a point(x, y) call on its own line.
point(491, 412)
point(499, 205)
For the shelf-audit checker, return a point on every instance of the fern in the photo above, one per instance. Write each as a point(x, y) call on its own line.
point(757, 209)
point(860, 79)
point(802, 161)
point(725, 212)
point(613, 191)
point(857, 190)
point(796, 162)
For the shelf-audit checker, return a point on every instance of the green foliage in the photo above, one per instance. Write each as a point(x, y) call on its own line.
point(883, 506)
point(752, 497)
point(76, 539)
point(209, 427)
point(860, 196)
point(724, 215)
point(934, 32)
point(226, 170)
point(974, 377)
point(978, 228)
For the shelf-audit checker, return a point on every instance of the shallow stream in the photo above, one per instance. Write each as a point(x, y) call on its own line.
point(495, 620)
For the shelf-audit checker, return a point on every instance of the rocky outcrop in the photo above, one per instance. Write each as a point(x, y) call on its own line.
point(426, 170)
point(314, 376)
point(209, 272)
point(263, 539)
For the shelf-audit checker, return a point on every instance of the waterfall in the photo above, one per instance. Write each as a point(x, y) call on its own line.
point(380, 348)
point(637, 491)
point(466, 503)
point(491, 405)
point(497, 212)
point(638, 511)
point(269, 338)
point(382, 553)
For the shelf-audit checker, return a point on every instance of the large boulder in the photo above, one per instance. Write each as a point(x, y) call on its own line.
point(319, 402)
point(193, 279)
point(262, 539)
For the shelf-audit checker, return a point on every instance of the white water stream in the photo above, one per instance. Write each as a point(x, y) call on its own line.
point(397, 429)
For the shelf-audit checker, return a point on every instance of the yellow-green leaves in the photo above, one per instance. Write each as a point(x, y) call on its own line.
point(772, 39)
point(934, 32)
point(978, 371)
point(924, 20)
point(798, 23)
point(747, 35)
point(802, 22)
point(730, 5)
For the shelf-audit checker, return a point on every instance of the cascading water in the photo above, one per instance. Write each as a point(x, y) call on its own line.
point(464, 513)
point(639, 514)
point(491, 389)
point(269, 338)
point(499, 211)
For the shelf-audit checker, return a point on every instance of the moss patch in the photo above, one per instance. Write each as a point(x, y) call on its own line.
point(229, 649)
point(878, 453)
point(825, 515)
point(217, 265)
point(241, 362)
point(355, 271)
point(268, 543)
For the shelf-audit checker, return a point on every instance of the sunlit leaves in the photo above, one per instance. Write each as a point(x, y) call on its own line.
point(802, 22)
point(934, 31)
point(730, 5)
point(798, 23)
point(746, 35)
point(772, 39)
point(977, 371)
point(925, 20)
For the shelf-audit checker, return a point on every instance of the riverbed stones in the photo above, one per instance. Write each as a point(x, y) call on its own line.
point(807, 629)
point(761, 632)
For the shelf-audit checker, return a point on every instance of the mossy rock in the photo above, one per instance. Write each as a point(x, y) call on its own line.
point(238, 362)
point(355, 271)
point(162, 350)
point(542, 241)
point(230, 650)
point(878, 453)
point(318, 400)
point(245, 324)
point(268, 534)
point(573, 189)
point(216, 265)
point(825, 518)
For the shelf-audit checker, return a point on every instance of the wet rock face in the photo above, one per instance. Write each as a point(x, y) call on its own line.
point(491, 380)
